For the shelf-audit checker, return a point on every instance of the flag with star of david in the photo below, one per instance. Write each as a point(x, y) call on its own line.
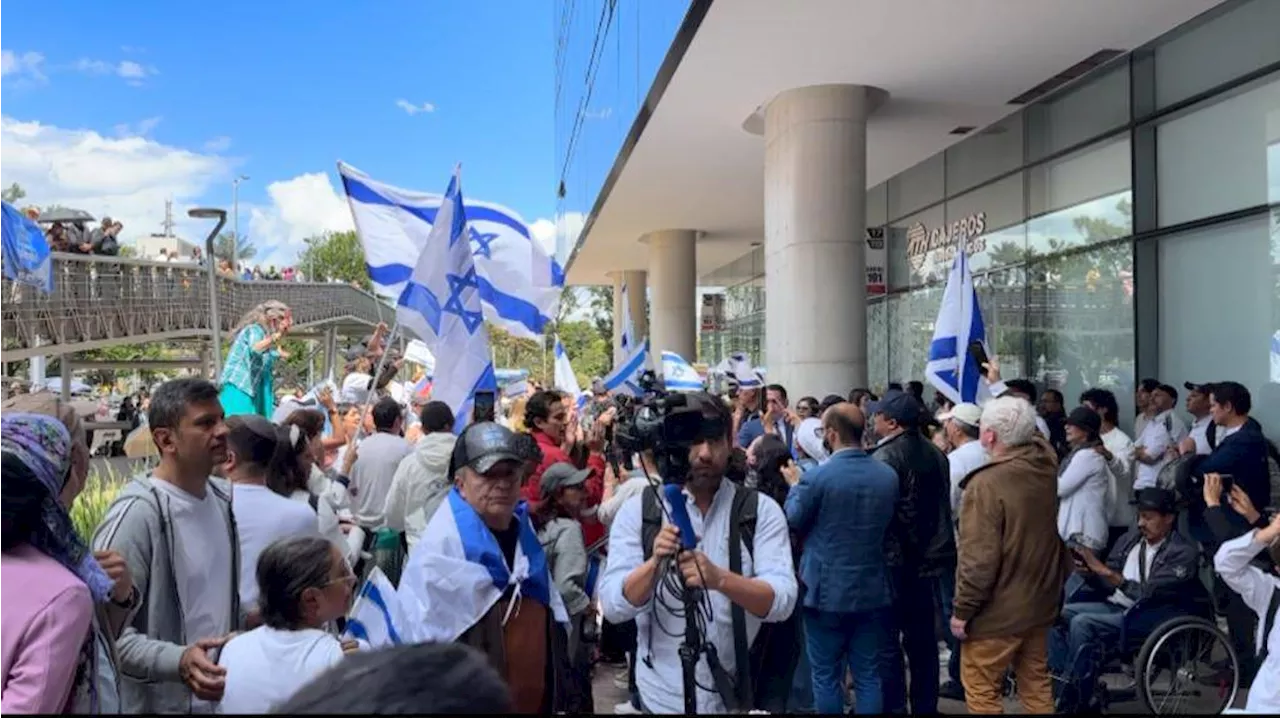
point(441, 304)
point(518, 278)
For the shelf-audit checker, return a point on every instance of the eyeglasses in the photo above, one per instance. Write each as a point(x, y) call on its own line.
point(349, 579)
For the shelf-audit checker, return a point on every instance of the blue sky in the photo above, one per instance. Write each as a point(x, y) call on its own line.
point(111, 107)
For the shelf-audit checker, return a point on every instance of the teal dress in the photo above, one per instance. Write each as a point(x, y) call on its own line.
point(247, 377)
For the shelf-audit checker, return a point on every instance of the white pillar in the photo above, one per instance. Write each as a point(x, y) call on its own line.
point(673, 277)
point(815, 182)
point(637, 283)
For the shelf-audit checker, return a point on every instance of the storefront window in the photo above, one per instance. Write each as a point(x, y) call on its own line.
point(878, 205)
point(917, 187)
point(996, 211)
point(1080, 199)
point(1215, 50)
point(911, 319)
point(1095, 105)
point(989, 153)
point(1220, 310)
point(877, 345)
point(1221, 156)
point(1080, 323)
point(908, 240)
point(1002, 297)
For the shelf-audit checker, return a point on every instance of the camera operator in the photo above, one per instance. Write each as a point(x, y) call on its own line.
point(634, 586)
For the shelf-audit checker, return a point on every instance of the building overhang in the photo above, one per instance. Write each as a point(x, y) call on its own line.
point(695, 160)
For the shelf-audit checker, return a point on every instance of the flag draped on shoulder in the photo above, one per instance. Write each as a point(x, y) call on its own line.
point(440, 302)
point(375, 617)
point(565, 379)
point(678, 374)
point(519, 282)
point(950, 369)
point(625, 378)
point(456, 573)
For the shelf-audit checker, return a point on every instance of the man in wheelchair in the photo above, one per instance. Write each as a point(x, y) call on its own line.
point(1149, 577)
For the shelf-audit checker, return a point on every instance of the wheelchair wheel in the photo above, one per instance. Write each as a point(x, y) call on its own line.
point(1187, 667)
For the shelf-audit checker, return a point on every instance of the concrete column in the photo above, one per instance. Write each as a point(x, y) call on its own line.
point(673, 275)
point(815, 182)
point(637, 282)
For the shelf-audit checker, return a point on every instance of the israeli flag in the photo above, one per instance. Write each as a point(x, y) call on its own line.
point(441, 304)
point(625, 378)
point(518, 281)
point(376, 618)
point(27, 257)
point(628, 327)
point(678, 374)
point(565, 379)
point(456, 572)
point(738, 367)
point(950, 369)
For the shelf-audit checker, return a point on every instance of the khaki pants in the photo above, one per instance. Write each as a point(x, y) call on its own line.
point(984, 662)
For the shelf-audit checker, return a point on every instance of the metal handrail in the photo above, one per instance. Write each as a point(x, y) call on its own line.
point(99, 301)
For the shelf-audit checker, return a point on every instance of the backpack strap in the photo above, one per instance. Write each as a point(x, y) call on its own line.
point(1270, 624)
point(650, 519)
point(742, 533)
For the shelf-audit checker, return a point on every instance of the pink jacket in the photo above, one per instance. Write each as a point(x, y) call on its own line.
point(46, 619)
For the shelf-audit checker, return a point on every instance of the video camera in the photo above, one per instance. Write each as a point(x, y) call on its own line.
point(663, 422)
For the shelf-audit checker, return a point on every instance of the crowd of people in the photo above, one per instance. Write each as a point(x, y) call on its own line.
point(841, 547)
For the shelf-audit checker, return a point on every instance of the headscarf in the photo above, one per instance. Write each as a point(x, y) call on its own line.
point(44, 446)
point(808, 436)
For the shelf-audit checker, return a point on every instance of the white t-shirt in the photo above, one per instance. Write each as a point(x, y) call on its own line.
point(1158, 434)
point(266, 666)
point(202, 566)
point(378, 458)
point(262, 516)
point(327, 522)
point(963, 461)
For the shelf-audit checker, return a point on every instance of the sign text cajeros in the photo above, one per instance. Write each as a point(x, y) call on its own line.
point(921, 241)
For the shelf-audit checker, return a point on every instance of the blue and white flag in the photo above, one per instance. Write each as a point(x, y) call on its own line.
point(628, 333)
point(519, 283)
point(27, 257)
point(737, 366)
point(625, 378)
point(375, 618)
point(565, 379)
point(456, 572)
point(678, 374)
point(950, 369)
point(441, 304)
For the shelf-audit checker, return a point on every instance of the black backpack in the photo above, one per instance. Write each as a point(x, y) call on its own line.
point(742, 532)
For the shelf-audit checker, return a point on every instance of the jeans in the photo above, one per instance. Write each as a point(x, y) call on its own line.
point(946, 585)
point(911, 633)
point(855, 641)
point(801, 698)
point(1080, 642)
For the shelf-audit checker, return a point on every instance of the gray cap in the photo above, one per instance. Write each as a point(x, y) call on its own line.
point(561, 475)
point(484, 445)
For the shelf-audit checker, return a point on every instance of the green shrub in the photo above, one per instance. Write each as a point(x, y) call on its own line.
point(91, 505)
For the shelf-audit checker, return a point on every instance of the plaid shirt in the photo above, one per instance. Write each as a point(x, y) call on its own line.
point(244, 366)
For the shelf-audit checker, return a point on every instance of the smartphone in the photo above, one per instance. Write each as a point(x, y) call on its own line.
point(484, 407)
point(1228, 481)
point(978, 353)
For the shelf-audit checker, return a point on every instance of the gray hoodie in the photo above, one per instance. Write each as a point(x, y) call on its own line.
point(139, 525)
point(421, 482)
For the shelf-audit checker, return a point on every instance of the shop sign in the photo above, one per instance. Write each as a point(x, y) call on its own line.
point(877, 262)
point(922, 241)
point(712, 312)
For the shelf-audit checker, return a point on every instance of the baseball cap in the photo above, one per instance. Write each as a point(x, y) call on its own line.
point(1198, 388)
point(561, 475)
point(899, 406)
point(965, 412)
point(484, 445)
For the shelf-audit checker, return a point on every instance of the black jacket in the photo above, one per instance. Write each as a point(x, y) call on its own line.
point(920, 535)
point(1172, 574)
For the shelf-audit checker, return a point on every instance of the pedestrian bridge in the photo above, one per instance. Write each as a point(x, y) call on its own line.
point(100, 301)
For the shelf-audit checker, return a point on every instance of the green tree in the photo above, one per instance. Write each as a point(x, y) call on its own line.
point(598, 305)
point(128, 251)
point(13, 193)
point(335, 255)
point(234, 249)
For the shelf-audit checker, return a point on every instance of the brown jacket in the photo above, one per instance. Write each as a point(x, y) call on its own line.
point(1012, 564)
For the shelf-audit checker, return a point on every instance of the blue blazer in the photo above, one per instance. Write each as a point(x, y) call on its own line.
point(840, 512)
point(754, 427)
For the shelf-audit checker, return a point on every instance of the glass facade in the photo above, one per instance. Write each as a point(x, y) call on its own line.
point(608, 53)
point(1137, 206)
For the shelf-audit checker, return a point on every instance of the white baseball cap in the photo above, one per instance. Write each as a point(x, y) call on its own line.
point(965, 413)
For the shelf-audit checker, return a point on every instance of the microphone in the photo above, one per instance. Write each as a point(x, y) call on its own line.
point(680, 516)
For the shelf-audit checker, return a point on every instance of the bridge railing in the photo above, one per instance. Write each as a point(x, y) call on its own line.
point(99, 301)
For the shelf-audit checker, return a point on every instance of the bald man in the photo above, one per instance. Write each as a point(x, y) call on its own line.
point(840, 512)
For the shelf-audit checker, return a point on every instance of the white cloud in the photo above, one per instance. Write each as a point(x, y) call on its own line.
point(132, 72)
point(22, 66)
point(141, 128)
point(222, 143)
point(127, 178)
point(558, 236)
point(413, 109)
point(301, 207)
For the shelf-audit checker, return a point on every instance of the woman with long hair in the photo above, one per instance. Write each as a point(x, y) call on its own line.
point(303, 583)
point(247, 384)
point(303, 436)
point(262, 476)
point(51, 581)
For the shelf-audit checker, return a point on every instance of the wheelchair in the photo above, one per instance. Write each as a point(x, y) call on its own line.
point(1173, 655)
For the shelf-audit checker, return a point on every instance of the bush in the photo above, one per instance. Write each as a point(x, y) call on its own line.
point(91, 505)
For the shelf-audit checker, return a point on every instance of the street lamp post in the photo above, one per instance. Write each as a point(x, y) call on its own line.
point(215, 325)
point(235, 217)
